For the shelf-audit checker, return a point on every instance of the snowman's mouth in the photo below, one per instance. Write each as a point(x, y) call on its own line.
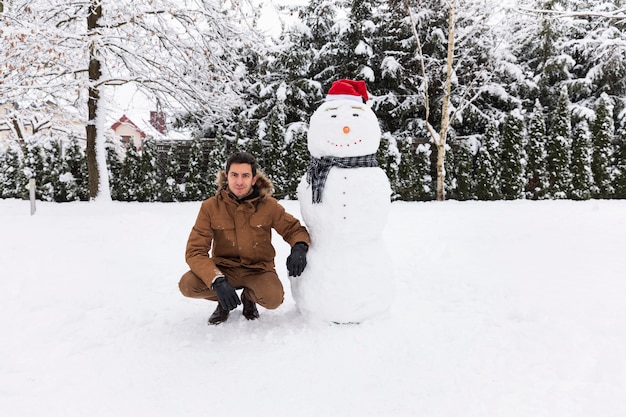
point(344, 145)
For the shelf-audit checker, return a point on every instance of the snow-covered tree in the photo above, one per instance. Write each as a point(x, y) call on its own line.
point(130, 174)
point(488, 171)
point(449, 173)
point(298, 159)
point(34, 167)
point(52, 169)
point(464, 157)
point(388, 157)
point(77, 165)
point(54, 182)
point(596, 45)
point(414, 182)
point(186, 54)
point(398, 101)
point(148, 189)
point(255, 147)
point(12, 180)
point(354, 48)
point(196, 178)
point(513, 157)
point(216, 161)
point(582, 177)
point(306, 51)
point(275, 158)
point(537, 182)
point(169, 170)
point(620, 169)
point(114, 168)
point(602, 133)
point(558, 148)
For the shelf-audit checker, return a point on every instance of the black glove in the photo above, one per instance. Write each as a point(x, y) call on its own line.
point(226, 293)
point(296, 262)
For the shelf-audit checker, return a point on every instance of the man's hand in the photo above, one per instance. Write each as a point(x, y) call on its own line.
point(226, 293)
point(296, 262)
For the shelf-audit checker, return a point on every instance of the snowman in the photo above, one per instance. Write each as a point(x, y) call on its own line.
point(344, 201)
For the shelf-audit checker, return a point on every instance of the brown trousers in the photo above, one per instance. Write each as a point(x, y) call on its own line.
point(262, 287)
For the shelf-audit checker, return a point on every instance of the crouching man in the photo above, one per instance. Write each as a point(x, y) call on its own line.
point(230, 248)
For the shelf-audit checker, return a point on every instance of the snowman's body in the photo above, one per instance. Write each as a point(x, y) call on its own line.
point(348, 277)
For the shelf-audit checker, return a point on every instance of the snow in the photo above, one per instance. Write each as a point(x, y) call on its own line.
point(503, 309)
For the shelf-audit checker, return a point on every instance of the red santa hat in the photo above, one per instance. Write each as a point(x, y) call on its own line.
point(348, 89)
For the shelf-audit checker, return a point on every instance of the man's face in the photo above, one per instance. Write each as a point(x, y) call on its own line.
point(240, 180)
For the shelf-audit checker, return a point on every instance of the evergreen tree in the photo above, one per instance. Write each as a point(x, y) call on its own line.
point(196, 178)
point(130, 174)
point(600, 65)
point(216, 163)
point(255, 147)
point(33, 167)
point(50, 181)
point(307, 59)
point(354, 48)
point(275, 164)
point(513, 157)
point(298, 158)
point(602, 132)
point(399, 100)
point(450, 162)
point(620, 169)
point(487, 181)
point(148, 187)
point(12, 180)
point(114, 166)
point(558, 148)
point(537, 182)
point(3, 179)
point(62, 187)
point(582, 177)
point(425, 187)
point(414, 182)
point(464, 171)
point(388, 158)
point(169, 189)
point(483, 70)
point(77, 166)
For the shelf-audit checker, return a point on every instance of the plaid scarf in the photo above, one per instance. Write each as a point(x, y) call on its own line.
point(319, 168)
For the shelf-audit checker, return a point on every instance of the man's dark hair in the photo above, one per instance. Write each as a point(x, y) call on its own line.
point(242, 158)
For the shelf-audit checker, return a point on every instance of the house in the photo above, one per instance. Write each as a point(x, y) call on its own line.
point(129, 131)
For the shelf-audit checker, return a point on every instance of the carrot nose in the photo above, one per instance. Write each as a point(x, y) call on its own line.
point(346, 129)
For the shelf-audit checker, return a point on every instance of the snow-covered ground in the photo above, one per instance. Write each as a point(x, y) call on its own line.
point(503, 309)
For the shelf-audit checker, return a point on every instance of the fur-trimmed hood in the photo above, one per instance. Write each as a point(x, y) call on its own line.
point(263, 184)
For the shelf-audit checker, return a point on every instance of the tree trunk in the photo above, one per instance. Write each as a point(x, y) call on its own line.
point(95, 12)
point(445, 116)
point(441, 170)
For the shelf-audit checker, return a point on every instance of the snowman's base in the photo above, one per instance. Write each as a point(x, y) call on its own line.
point(344, 286)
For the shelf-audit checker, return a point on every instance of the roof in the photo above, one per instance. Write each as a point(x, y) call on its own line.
point(124, 120)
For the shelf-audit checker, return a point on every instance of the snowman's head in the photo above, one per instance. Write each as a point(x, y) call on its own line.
point(344, 125)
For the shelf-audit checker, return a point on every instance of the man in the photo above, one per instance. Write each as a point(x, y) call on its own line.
point(236, 225)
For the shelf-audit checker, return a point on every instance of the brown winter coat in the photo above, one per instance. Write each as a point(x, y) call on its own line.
point(232, 233)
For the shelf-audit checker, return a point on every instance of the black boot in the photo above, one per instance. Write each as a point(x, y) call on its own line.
point(220, 315)
point(249, 308)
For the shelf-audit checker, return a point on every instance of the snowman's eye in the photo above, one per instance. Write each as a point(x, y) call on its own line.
point(356, 114)
point(334, 116)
